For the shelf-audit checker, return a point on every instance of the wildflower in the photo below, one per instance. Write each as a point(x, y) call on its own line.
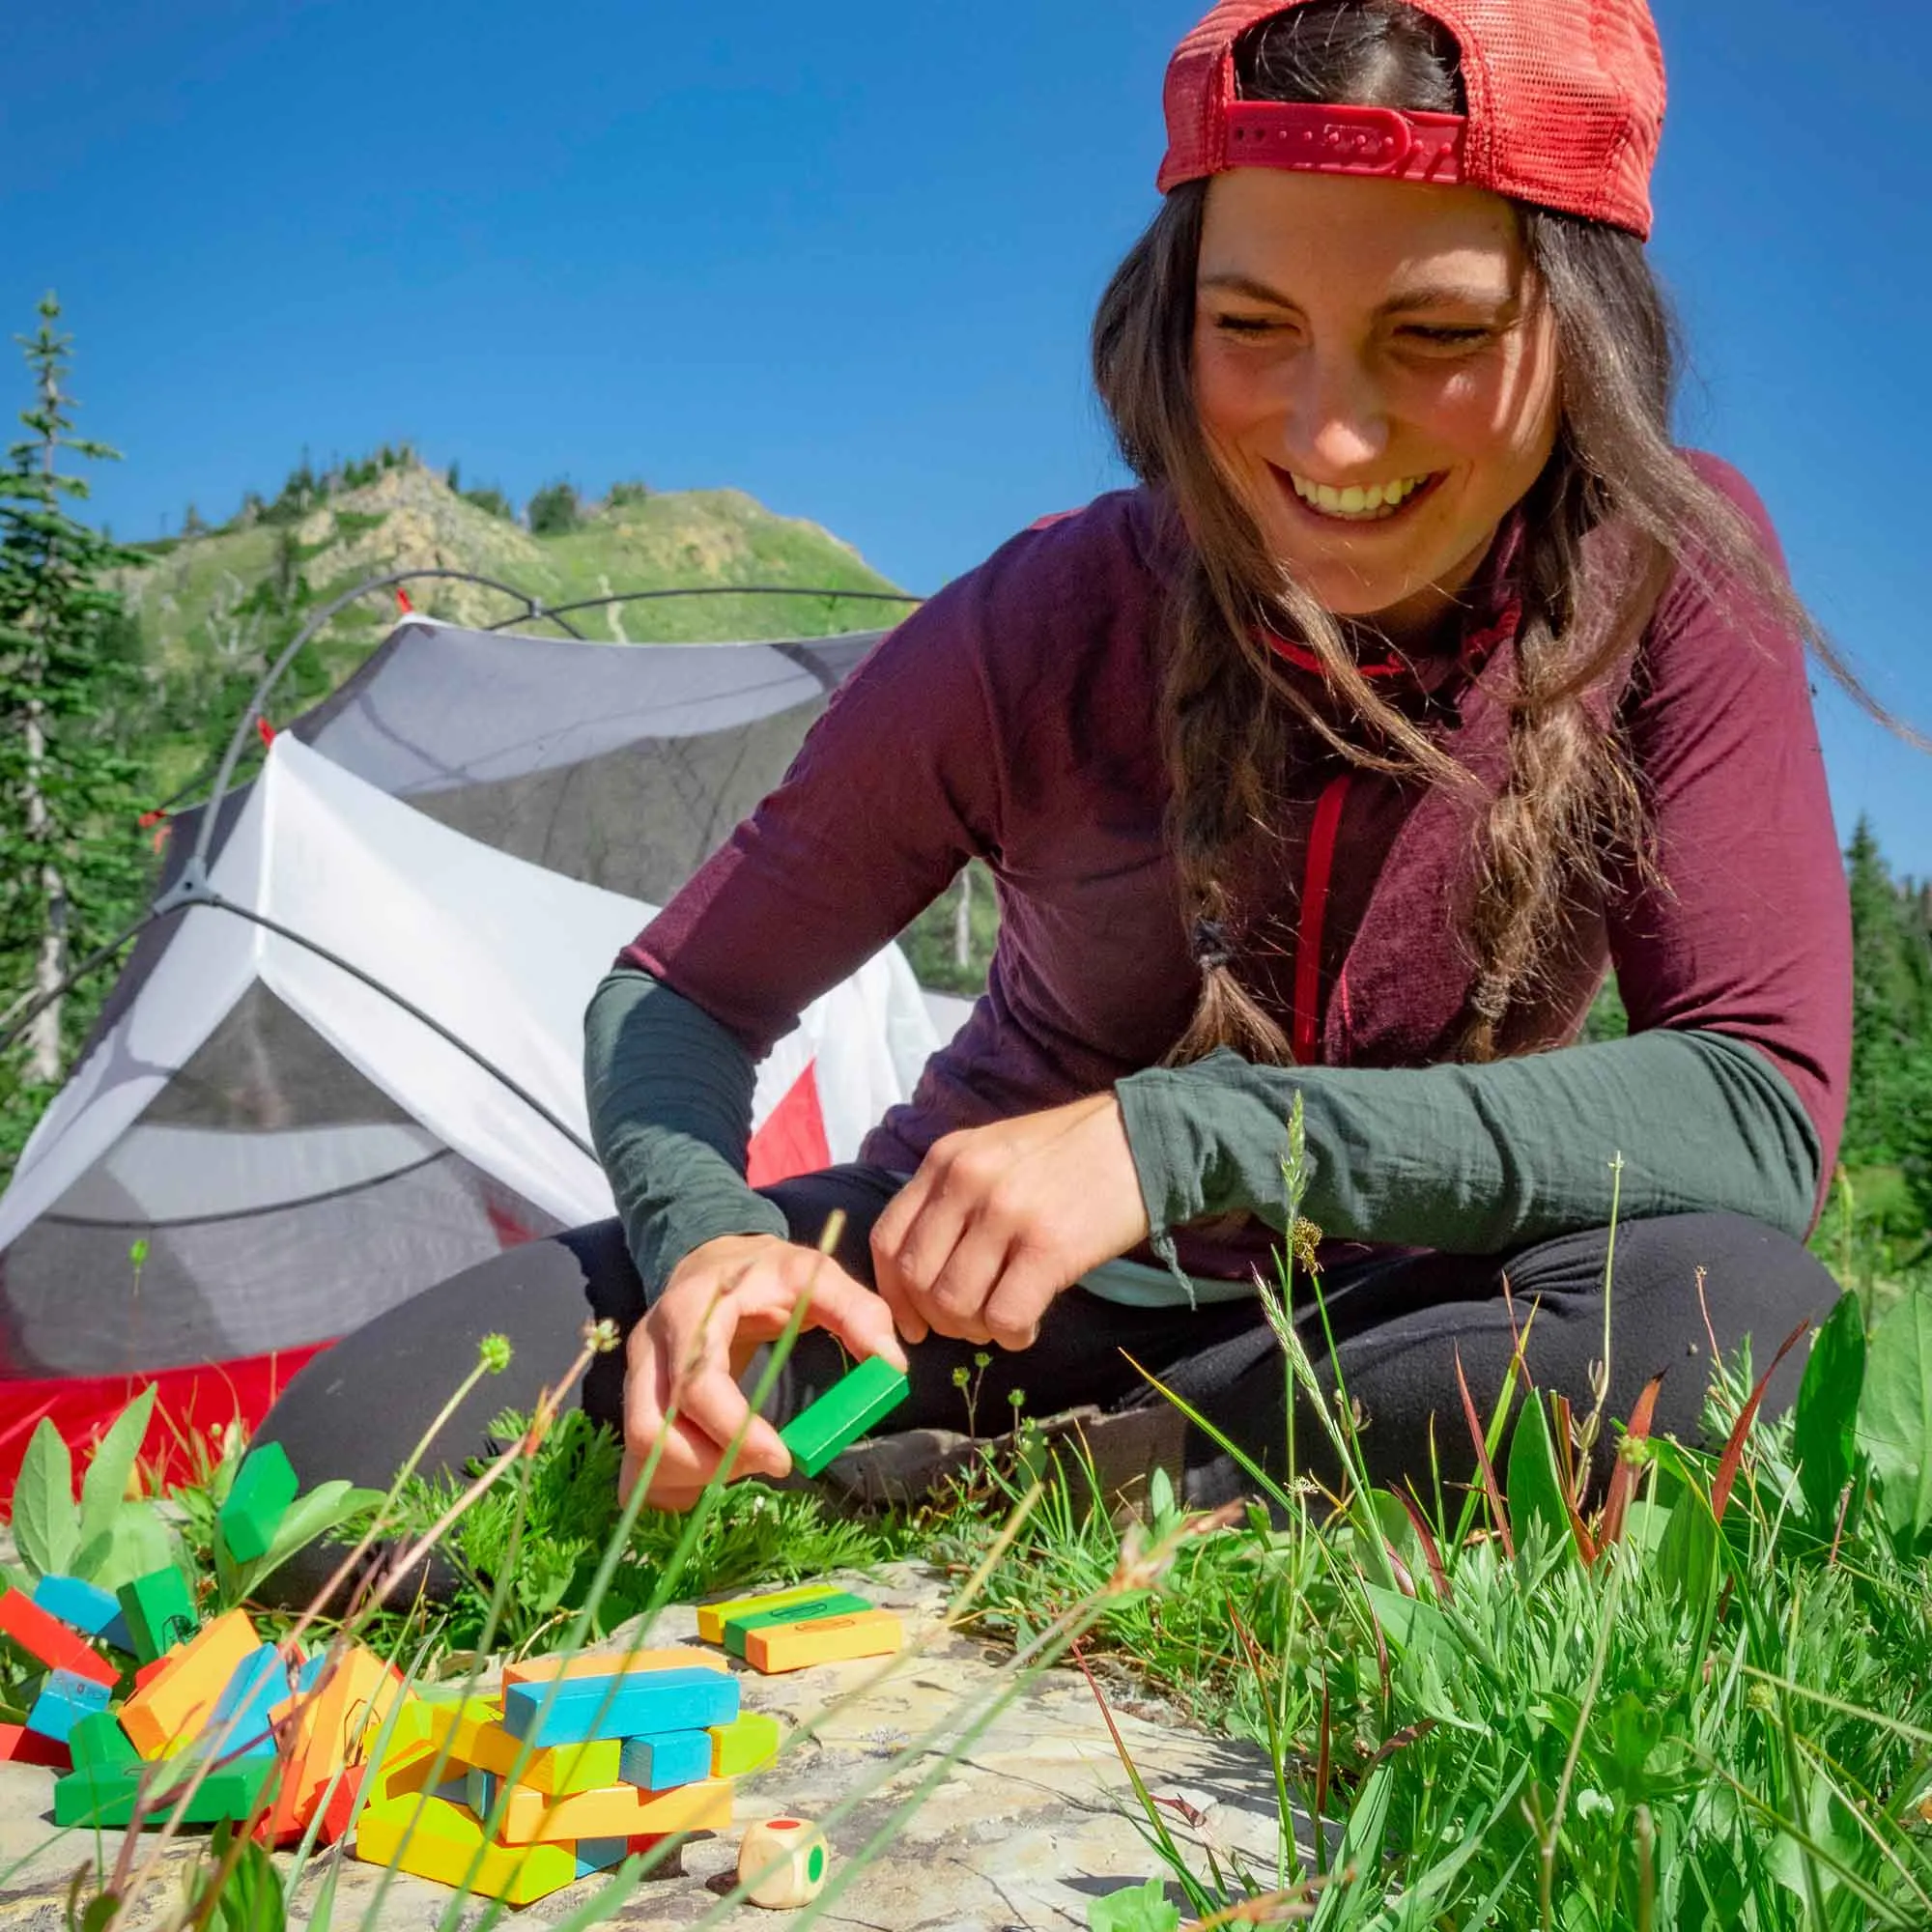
point(493, 1352)
point(601, 1338)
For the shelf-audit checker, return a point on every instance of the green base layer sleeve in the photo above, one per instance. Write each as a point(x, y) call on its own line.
point(1481, 1159)
point(669, 1094)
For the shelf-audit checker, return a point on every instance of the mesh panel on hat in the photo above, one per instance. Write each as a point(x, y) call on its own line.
point(1566, 98)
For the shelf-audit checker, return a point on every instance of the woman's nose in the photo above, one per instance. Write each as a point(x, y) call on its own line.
point(1337, 421)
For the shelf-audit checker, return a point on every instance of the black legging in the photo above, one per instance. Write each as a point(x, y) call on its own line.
point(1399, 1323)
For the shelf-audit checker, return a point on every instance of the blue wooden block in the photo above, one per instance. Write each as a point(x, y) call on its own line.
point(65, 1699)
point(453, 1790)
point(479, 1791)
point(666, 1758)
point(596, 1855)
point(79, 1606)
point(637, 1705)
point(258, 1686)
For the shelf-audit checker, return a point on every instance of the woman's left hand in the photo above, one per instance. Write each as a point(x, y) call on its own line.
point(1000, 1219)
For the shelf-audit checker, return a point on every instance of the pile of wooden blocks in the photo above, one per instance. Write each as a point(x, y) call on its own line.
point(88, 1644)
point(572, 1768)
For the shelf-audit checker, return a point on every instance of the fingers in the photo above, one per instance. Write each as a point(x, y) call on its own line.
point(849, 1310)
point(683, 1404)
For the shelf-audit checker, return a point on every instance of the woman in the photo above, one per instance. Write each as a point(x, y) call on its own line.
point(1420, 681)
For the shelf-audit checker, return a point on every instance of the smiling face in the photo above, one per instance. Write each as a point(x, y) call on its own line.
point(1376, 376)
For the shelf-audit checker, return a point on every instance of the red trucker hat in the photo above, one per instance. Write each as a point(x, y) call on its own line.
point(1565, 99)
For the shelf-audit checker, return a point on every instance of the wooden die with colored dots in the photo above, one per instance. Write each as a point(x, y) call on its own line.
point(783, 1862)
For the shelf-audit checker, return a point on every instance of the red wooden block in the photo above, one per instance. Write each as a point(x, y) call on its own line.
point(148, 1672)
point(56, 1644)
point(21, 1746)
point(340, 1811)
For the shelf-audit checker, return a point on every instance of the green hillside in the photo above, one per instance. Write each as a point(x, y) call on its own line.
point(213, 608)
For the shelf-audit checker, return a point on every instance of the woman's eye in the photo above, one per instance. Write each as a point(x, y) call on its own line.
point(1447, 336)
point(1245, 324)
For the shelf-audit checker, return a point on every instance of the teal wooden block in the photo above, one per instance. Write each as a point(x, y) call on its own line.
point(596, 1855)
point(264, 1488)
point(843, 1414)
point(82, 1606)
point(479, 1791)
point(583, 1708)
point(160, 1611)
point(259, 1684)
point(65, 1699)
point(665, 1760)
point(839, 1605)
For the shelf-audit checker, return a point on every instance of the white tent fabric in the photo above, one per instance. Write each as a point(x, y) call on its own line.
point(502, 952)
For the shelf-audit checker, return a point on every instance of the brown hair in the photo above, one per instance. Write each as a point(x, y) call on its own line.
point(1570, 799)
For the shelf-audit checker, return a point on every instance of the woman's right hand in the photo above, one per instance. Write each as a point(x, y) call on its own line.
point(722, 1302)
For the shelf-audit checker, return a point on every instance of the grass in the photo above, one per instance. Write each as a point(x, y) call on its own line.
point(1705, 1701)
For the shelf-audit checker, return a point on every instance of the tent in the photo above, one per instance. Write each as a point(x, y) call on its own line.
point(362, 1073)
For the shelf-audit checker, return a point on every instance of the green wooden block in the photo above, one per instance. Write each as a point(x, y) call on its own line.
point(106, 1794)
point(840, 1606)
point(843, 1414)
point(99, 1743)
point(264, 1488)
point(159, 1612)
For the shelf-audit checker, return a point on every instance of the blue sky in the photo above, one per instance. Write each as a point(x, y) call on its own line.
point(845, 258)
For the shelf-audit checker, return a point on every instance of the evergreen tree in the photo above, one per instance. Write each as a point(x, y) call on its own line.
point(71, 871)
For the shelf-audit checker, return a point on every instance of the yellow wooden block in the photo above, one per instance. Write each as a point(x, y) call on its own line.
point(830, 1640)
point(750, 1738)
point(460, 1723)
point(556, 1771)
point(404, 1773)
point(617, 1811)
point(616, 1663)
point(713, 1618)
point(175, 1705)
point(432, 1838)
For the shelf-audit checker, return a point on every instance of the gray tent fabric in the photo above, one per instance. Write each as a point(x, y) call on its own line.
point(624, 766)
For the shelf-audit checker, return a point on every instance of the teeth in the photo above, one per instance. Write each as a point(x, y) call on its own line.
point(1373, 500)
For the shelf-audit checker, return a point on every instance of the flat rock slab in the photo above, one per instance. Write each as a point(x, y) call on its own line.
point(1031, 1822)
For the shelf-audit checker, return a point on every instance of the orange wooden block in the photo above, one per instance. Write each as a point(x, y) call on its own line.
point(323, 1729)
point(618, 1664)
point(830, 1640)
point(172, 1707)
point(617, 1811)
point(344, 1709)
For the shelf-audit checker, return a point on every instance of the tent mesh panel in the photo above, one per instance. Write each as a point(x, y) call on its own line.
point(300, 1200)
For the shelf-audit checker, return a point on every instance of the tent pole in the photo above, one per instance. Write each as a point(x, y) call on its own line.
point(196, 869)
point(560, 610)
point(99, 956)
point(182, 895)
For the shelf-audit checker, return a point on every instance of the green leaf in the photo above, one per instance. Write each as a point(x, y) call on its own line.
point(250, 1899)
point(1825, 1428)
point(46, 1521)
point(1895, 1426)
point(307, 1519)
point(1533, 1486)
point(104, 1487)
point(1686, 1557)
point(135, 1543)
point(1135, 1908)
